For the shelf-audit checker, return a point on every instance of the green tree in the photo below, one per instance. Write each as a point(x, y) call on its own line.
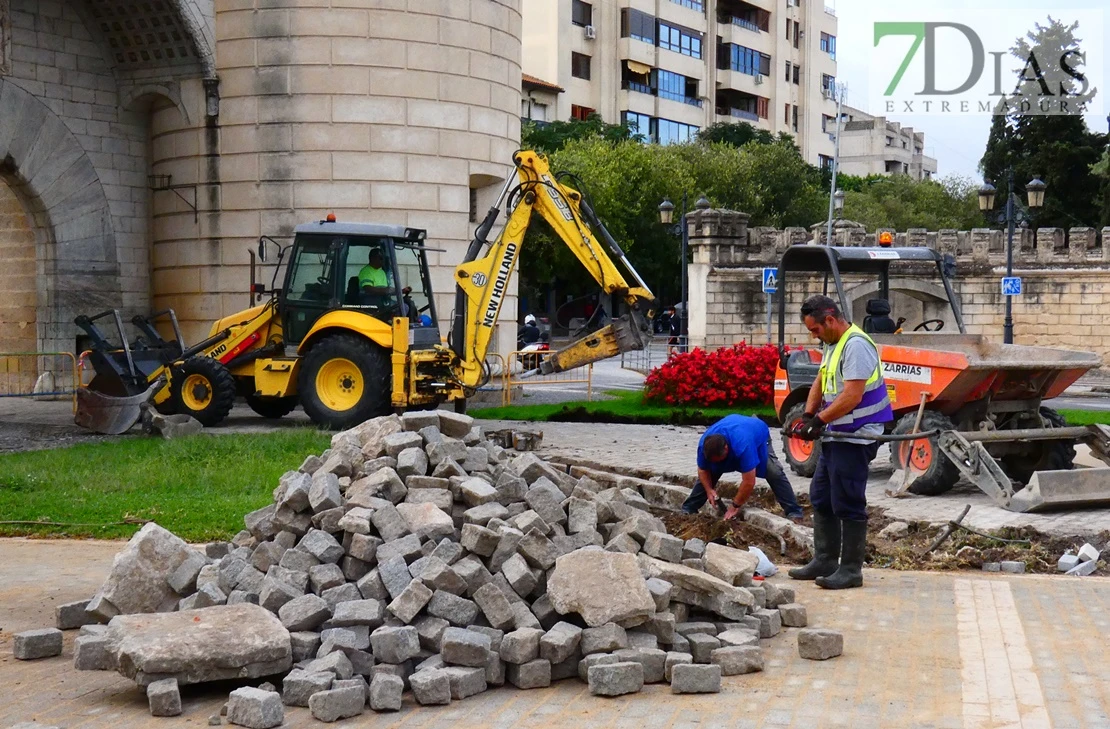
point(1057, 147)
point(549, 137)
point(735, 134)
point(902, 203)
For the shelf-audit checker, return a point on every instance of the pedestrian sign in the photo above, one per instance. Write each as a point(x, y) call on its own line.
point(1011, 286)
point(770, 280)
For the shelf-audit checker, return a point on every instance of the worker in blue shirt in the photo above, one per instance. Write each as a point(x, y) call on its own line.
point(741, 444)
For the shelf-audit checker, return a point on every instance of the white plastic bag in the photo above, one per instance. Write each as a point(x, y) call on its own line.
point(765, 566)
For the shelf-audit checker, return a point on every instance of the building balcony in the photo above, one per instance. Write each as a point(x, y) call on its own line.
point(743, 82)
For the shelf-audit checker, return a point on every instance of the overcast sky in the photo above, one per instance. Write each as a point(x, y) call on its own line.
point(956, 139)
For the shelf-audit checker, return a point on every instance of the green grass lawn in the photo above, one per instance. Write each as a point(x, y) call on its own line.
point(627, 406)
point(198, 487)
point(1086, 417)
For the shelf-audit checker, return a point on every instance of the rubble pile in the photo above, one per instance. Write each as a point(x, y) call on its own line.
point(416, 555)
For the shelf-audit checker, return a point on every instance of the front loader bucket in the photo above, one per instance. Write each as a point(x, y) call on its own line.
point(1078, 489)
point(108, 414)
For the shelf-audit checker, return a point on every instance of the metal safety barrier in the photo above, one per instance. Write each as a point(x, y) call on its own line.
point(39, 375)
point(519, 365)
point(661, 347)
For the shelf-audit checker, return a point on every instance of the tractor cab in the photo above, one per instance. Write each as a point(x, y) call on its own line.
point(378, 270)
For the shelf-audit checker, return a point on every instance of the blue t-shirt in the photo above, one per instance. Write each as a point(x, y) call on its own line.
point(747, 446)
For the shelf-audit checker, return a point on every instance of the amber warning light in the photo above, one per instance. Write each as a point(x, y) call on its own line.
point(886, 239)
point(331, 217)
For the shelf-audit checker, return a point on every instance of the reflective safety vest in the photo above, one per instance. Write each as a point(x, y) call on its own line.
point(875, 405)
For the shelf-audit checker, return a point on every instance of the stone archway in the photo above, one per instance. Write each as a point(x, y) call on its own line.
point(66, 205)
point(914, 299)
point(17, 276)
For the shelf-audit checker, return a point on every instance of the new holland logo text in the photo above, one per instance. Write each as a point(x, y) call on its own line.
point(499, 286)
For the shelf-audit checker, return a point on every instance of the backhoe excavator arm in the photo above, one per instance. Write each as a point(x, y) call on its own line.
point(483, 282)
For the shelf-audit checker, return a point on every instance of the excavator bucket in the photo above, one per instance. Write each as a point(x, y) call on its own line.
point(111, 414)
point(1083, 488)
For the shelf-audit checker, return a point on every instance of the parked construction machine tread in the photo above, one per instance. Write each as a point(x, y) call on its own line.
point(203, 388)
point(931, 472)
point(344, 380)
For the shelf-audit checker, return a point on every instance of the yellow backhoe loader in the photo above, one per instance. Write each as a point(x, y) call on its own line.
point(353, 331)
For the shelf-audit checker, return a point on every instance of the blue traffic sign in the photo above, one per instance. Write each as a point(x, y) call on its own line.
point(1011, 285)
point(770, 280)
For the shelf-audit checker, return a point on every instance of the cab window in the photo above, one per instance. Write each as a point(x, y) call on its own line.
point(410, 271)
point(368, 266)
point(310, 279)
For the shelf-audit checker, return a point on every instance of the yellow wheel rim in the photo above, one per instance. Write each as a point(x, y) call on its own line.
point(196, 392)
point(339, 384)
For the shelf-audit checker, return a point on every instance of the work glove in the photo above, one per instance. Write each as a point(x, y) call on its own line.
point(795, 428)
point(812, 429)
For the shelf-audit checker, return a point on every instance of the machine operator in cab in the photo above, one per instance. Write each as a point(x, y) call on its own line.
point(849, 397)
point(373, 280)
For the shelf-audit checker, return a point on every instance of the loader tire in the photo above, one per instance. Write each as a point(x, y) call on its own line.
point(272, 407)
point(344, 381)
point(1045, 455)
point(802, 455)
point(202, 387)
point(933, 473)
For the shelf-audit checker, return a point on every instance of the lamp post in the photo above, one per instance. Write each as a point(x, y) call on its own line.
point(666, 217)
point(1035, 190)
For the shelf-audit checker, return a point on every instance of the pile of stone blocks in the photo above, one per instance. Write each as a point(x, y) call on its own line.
point(415, 555)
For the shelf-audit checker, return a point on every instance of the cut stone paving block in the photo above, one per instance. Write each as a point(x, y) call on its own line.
point(663, 546)
point(524, 617)
point(642, 639)
point(603, 639)
point(546, 500)
point(495, 606)
point(395, 645)
point(595, 659)
point(623, 543)
point(770, 622)
point(702, 646)
point(675, 658)
point(602, 587)
point(325, 576)
point(442, 498)
point(90, 653)
point(661, 625)
point(431, 687)
point(736, 660)
point(1067, 562)
point(417, 420)
point(427, 520)
point(408, 547)
point(449, 551)
point(463, 647)
point(431, 434)
point(530, 675)
point(1013, 567)
point(508, 541)
point(337, 663)
point(294, 560)
point(322, 546)
point(739, 637)
point(397, 443)
point(615, 679)
point(652, 659)
point(733, 566)
point(1083, 569)
point(444, 450)
point(137, 581)
point(73, 615)
point(324, 493)
point(412, 462)
point(818, 644)
point(358, 612)
point(473, 573)
point(521, 645)
point(793, 615)
point(475, 492)
point(538, 550)
point(389, 523)
point(689, 678)
point(337, 703)
point(164, 698)
point(254, 708)
point(304, 644)
point(276, 593)
point(465, 681)
point(304, 613)
point(560, 642)
point(452, 608)
point(394, 574)
point(483, 513)
point(520, 578)
point(1088, 553)
point(479, 540)
point(298, 686)
point(343, 593)
point(385, 692)
point(454, 425)
point(510, 489)
point(495, 670)
point(660, 593)
point(34, 644)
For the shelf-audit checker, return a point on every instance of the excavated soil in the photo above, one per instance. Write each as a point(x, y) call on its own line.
point(961, 551)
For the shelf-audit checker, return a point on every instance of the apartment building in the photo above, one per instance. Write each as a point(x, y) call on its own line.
point(672, 67)
point(872, 145)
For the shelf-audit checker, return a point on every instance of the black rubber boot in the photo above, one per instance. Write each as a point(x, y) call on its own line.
point(853, 550)
point(826, 549)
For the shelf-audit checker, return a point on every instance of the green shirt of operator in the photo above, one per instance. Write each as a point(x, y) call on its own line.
point(373, 279)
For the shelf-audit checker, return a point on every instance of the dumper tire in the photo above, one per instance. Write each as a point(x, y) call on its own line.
point(272, 407)
point(345, 380)
point(802, 455)
point(1046, 455)
point(936, 474)
point(203, 387)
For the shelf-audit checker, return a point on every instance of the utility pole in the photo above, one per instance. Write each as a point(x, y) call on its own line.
point(839, 90)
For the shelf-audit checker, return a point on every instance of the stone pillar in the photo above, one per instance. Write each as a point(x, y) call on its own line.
point(1048, 240)
point(1106, 244)
point(717, 238)
point(1081, 240)
point(917, 237)
point(981, 245)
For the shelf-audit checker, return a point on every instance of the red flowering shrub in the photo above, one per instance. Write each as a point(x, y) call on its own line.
point(738, 375)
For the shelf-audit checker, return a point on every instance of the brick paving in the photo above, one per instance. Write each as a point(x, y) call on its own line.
point(667, 452)
point(908, 662)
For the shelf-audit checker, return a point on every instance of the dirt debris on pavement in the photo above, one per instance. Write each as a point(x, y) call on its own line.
point(415, 554)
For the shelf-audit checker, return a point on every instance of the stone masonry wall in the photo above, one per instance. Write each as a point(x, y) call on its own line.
point(17, 276)
point(1066, 277)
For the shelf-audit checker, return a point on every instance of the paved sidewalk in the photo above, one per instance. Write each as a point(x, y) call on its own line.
point(921, 650)
point(668, 452)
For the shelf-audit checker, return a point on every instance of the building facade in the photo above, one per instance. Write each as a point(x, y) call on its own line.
point(672, 67)
point(145, 146)
point(872, 145)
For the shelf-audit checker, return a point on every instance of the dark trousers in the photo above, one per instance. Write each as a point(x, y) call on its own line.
point(776, 479)
point(839, 485)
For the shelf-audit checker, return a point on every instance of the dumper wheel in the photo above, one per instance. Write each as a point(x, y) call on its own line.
point(344, 381)
point(272, 407)
point(1045, 455)
point(801, 454)
point(203, 388)
point(930, 469)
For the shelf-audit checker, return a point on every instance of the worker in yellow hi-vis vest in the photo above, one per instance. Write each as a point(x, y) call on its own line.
point(849, 397)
